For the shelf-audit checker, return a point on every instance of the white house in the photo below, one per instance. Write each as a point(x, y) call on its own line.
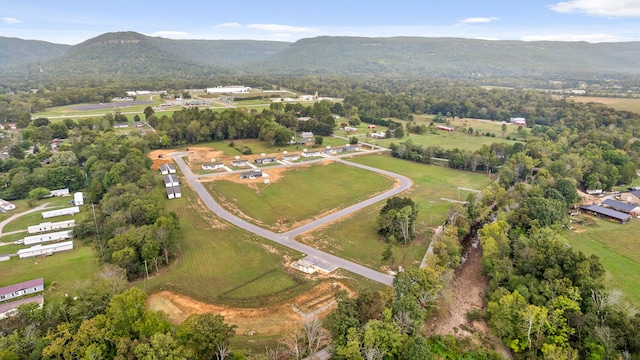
point(239, 162)
point(291, 157)
point(60, 212)
point(213, 166)
point(265, 160)
point(380, 135)
point(166, 169)
point(10, 308)
point(174, 192)
point(45, 249)
point(350, 129)
point(42, 238)
point(50, 226)
point(170, 181)
point(60, 192)
point(6, 206)
point(23, 288)
point(78, 199)
point(311, 153)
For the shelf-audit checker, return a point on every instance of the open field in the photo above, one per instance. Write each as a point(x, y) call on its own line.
point(618, 248)
point(457, 139)
point(625, 104)
point(431, 184)
point(300, 195)
point(217, 259)
point(54, 268)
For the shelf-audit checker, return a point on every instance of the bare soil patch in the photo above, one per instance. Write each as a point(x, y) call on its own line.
point(467, 293)
point(270, 320)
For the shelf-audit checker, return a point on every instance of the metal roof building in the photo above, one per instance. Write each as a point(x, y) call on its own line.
point(607, 213)
point(619, 205)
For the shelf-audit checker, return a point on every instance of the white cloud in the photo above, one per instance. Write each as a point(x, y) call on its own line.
point(280, 28)
point(180, 34)
point(8, 20)
point(592, 38)
point(606, 8)
point(228, 25)
point(478, 20)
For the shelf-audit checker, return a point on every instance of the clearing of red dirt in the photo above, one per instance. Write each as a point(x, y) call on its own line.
point(271, 320)
point(197, 155)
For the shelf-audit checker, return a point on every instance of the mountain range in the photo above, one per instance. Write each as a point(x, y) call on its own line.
point(132, 54)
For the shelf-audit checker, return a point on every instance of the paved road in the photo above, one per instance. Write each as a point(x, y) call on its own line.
point(286, 239)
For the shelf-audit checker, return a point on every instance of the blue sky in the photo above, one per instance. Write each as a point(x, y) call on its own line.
point(71, 22)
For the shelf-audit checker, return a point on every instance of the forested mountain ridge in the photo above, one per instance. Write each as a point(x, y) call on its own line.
point(134, 54)
point(451, 57)
point(18, 51)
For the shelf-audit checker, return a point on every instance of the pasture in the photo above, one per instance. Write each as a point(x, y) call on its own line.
point(618, 248)
point(355, 237)
point(301, 194)
point(623, 104)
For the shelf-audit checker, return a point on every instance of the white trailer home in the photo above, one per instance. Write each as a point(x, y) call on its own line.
point(51, 226)
point(42, 238)
point(50, 249)
point(78, 199)
point(60, 212)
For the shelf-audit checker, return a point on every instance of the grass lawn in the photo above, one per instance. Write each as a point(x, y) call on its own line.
point(56, 268)
point(222, 264)
point(618, 248)
point(301, 194)
point(431, 183)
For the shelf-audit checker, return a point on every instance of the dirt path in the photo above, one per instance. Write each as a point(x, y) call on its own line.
point(15, 216)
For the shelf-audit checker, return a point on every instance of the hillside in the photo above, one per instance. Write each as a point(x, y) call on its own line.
point(135, 55)
point(17, 51)
point(450, 57)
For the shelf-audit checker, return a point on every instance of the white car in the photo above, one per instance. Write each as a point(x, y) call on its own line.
point(18, 242)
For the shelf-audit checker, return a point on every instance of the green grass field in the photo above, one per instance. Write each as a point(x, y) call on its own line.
point(458, 139)
point(624, 104)
point(300, 194)
point(431, 183)
point(618, 248)
point(65, 269)
point(222, 264)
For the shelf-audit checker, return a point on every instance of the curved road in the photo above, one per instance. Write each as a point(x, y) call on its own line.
point(286, 239)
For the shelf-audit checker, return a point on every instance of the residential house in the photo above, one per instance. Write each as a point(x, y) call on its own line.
point(350, 129)
point(6, 206)
point(60, 212)
point(239, 162)
point(10, 308)
point(351, 147)
point(213, 166)
point(20, 289)
point(50, 226)
point(265, 160)
point(42, 238)
point(519, 121)
point(120, 125)
point(311, 153)
point(170, 180)
point(306, 134)
point(291, 157)
point(251, 174)
point(46, 250)
point(174, 192)
point(380, 135)
point(59, 192)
